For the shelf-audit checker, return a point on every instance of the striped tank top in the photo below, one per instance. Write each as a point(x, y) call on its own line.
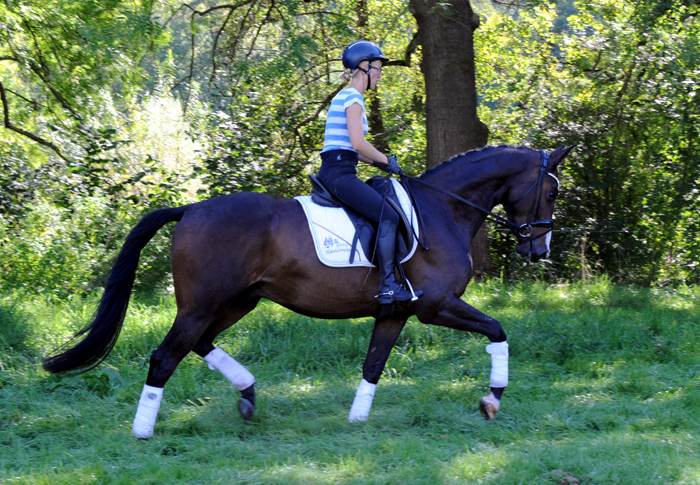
point(337, 136)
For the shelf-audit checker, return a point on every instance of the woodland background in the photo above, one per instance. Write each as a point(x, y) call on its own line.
point(112, 109)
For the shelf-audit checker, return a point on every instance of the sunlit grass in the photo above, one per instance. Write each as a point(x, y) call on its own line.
point(605, 388)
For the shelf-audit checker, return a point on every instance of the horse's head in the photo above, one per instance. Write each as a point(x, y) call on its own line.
point(530, 205)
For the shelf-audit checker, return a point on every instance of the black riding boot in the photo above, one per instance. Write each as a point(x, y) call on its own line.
point(390, 291)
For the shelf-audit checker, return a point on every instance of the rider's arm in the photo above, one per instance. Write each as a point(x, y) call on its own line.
point(367, 153)
point(365, 159)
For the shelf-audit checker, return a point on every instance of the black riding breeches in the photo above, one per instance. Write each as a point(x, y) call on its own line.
point(339, 174)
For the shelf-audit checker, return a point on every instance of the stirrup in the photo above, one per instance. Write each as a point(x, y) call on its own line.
point(398, 294)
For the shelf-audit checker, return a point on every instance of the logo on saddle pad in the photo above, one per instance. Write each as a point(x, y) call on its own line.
point(333, 232)
point(332, 245)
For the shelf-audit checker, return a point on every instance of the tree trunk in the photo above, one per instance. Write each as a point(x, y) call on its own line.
point(445, 32)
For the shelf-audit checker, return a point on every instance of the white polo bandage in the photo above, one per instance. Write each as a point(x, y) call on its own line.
point(363, 402)
point(147, 412)
point(499, 363)
point(230, 368)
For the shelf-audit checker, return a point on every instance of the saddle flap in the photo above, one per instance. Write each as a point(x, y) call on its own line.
point(404, 235)
point(365, 231)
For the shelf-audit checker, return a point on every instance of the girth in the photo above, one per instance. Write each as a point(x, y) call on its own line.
point(366, 230)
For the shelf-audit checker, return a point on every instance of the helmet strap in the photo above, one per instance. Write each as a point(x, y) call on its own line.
point(369, 78)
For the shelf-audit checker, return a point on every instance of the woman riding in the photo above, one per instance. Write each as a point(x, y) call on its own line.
point(344, 144)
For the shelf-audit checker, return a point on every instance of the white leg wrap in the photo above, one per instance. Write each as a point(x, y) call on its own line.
point(363, 402)
point(499, 363)
point(146, 413)
point(230, 368)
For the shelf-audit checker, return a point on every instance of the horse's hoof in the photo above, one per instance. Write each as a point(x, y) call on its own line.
point(489, 407)
point(246, 408)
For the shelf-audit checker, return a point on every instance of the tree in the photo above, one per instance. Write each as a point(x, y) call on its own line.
point(446, 35)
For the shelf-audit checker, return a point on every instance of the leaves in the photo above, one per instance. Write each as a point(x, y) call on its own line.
point(621, 86)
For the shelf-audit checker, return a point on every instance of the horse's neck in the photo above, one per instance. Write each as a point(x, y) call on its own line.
point(483, 184)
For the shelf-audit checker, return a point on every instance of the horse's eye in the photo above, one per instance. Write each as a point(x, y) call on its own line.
point(553, 194)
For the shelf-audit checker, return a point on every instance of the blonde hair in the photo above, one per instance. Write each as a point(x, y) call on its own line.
point(348, 74)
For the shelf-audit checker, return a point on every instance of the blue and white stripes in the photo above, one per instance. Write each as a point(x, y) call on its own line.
point(337, 136)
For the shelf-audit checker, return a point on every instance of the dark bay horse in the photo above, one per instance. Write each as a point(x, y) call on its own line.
point(229, 252)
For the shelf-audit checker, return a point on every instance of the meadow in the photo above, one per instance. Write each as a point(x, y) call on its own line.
point(604, 389)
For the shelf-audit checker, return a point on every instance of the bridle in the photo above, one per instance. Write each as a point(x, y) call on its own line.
point(523, 230)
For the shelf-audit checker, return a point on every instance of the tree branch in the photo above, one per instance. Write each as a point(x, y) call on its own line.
point(311, 118)
point(260, 27)
point(31, 136)
point(410, 49)
point(218, 7)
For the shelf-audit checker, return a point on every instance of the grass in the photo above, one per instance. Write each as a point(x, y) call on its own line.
point(604, 389)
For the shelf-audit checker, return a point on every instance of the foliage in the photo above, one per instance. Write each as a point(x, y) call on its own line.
point(271, 72)
point(57, 55)
point(66, 241)
point(600, 375)
point(620, 80)
point(70, 73)
point(119, 108)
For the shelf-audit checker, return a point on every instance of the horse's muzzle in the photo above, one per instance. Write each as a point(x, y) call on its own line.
point(535, 254)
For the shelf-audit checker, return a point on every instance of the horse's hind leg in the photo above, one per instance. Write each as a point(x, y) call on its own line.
point(195, 332)
point(384, 336)
point(181, 338)
point(219, 360)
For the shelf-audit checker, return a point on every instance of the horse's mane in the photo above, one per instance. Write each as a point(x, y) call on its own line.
point(471, 156)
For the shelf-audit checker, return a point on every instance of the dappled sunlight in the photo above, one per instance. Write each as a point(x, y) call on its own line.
point(612, 457)
point(681, 298)
point(483, 462)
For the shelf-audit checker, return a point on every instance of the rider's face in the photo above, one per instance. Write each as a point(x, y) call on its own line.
point(375, 72)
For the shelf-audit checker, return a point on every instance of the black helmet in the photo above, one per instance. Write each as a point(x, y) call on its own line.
point(362, 50)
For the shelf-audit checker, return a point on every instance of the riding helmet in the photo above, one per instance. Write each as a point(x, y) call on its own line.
point(362, 50)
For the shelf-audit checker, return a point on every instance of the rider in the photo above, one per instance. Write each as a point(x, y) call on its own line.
point(345, 143)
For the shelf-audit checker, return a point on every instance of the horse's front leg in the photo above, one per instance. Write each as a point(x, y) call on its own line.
point(455, 313)
point(384, 336)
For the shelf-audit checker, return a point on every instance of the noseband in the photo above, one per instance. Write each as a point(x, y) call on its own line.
point(522, 230)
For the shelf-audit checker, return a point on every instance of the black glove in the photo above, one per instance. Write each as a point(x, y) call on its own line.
point(381, 166)
point(394, 165)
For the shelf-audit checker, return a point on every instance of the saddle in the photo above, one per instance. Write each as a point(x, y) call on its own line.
point(365, 230)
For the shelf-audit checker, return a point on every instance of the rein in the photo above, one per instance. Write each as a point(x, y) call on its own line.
point(523, 230)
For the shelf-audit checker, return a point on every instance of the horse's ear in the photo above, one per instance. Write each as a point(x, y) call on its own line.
point(560, 154)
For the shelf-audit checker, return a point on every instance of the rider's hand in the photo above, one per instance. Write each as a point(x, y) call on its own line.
point(381, 166)
point(394, 165)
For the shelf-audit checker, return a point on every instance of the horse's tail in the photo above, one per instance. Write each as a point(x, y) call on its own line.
point(102, 333)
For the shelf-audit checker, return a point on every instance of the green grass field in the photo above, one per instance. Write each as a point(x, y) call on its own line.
point(604, 390)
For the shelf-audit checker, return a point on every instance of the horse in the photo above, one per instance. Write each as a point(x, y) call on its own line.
point(229, 252)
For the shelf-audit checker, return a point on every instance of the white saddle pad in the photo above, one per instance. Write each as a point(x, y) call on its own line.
point(333, 232)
